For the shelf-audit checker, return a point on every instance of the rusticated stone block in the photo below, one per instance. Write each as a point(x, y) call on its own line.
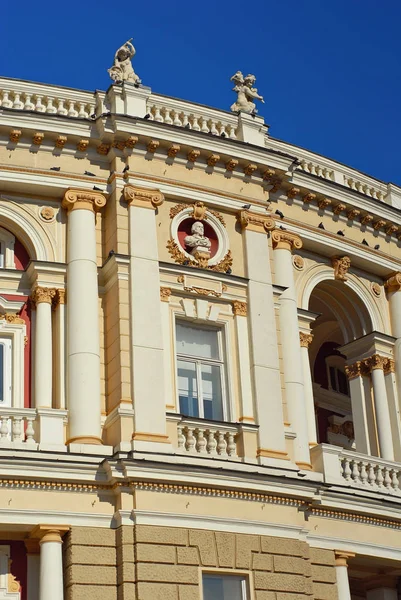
point(125, 553)
point(262, 562)
point(286, 546)
point(126, 591)
point(188, 556)
point(151, 534)
point(261, 595)
point(90, 592)
point(325, 591)
point(85, 555)
point(285, 596)
point(245, 544)
point(126, 573)
point(225, 544)
point(91, 536)
point(188, 592)
point(289, 564)
point(319, 556)
point(125, 535)
point(157, 591)
point(322, 574)
point(204, 540)
point(91, 575)
point(167, 573)
point(155, 554)
point(280, 582)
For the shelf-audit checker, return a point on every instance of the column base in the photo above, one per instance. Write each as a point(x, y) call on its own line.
point(89, 439)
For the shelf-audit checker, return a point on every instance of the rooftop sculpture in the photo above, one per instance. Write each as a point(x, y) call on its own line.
point(246, 93)
point(122, 69)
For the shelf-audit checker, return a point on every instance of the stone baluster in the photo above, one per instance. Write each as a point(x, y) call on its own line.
point(283, 244)
point(71, 109)
point(83, 316)
point(376, 364)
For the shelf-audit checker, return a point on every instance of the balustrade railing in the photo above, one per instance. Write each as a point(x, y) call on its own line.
point(216, 440)
point(17, 425)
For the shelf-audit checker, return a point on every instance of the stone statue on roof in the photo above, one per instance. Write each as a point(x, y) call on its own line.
point(246, 93)
point(122, 68)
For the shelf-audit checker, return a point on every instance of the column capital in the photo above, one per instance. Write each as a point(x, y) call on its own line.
point(305, 339)
point(83, 199)
point(143, 197)
point(255, 222)
point(165, 294)
point(393, 283)
point(389, 366)
point(286, 240)
point(240, 309)
point(376, 361)
point(341, 264)
point(49, 533)
point(43, 294)
point(342, 557)
point(32, 546)
point(357, 369)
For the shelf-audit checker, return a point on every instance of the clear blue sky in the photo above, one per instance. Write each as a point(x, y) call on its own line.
point(330, 70)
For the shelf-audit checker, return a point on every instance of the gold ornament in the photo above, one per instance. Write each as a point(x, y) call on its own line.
point(82, 145)
point(173, 150)
point(15, 135)
point(213, 159)
point(193, 155)
point(61, 141)
point(341, 264)
point(47, 213)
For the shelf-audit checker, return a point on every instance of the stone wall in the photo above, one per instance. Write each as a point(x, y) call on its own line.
point(165, 563)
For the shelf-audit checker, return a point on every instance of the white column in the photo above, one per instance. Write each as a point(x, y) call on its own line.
point(51, 585)
point(33, 568)
point(394, 406)
point(42, 298)
point(283, 243)
point(168, 334)
point(357, 376)
point(343, 589)
point(376, 364)
point(306, 339)
point(240, 310)
point(59, 349)
point(393, 287)
point(264, 359)
point(146, 322)
point(383, 593)
point(83, 317)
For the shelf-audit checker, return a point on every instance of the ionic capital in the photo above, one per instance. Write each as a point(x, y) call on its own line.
point(143, 197)
point(83, 199)
point(305, 339)
point(50, 533)
point(42, 294)
point(255, 222)
point(375, 362)
point(284, 240)
point(393, 283)
point(342, 558)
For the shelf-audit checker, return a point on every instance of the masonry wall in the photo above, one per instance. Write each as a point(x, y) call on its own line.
point(166, 563)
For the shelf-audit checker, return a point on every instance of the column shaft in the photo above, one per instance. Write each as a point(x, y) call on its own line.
point(43, 347)
point(51, 568)
point(308, 390)
point(394, 298)
point(382, 414)
point(342, 582)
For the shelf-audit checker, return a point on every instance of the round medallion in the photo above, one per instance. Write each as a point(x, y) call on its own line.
point(376, 289)
point(298, 262)
point(47, 213)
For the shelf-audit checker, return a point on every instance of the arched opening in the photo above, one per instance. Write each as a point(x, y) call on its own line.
point(342, 318)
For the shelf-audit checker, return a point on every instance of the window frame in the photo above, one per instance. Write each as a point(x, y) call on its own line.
point(221, 331)
point(16, 333)
point(338, 364)
point(246, 584)
point(6, 342)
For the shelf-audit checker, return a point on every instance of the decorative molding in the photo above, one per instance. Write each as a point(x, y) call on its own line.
point(379, 224)
point(13, 586)
point(83, 199)
point(15, 135)
point(305, 339)
point(61, 141)
point(193, 155)
point(255, 222)
point(376, 361)
point(143, 197)
point(389, 366)
point(324, 203)
point(199, 259)
point(293, 192)
point(13, 319)
point(38, 138)
point(298, 262)
point(131, 141)
point(340, 264)
point(341, 557)
point(367, 219)
point(354, 517)
point(231, 164)
point(202, 291)
point(284, 240)
point(47, 213)
point(353, 214)
point(173, 150)
point(393, 283)
point(59, 297)
point(217, 215)
point(103, 149)
point(165, 294)
point(82, 145)
point(213, 159)
point(175, 210)
point(119, 144)
point(376, 289)
point(269, 174)
point(339, 208)
point(240, 309)
point(249, 169)
point(198, 211)
point(43, 294)
point(308, 198)
point(357, 369)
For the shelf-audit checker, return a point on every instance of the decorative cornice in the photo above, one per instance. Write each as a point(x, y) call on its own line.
point(152, 146)
point(61, 141)
point(43, 294)
point(240, 309)
point(379, 224)
point(231, 164)
point(353, 214)
point(143, 197)
point(213, 159)
point(324, 203)
point(308, 198)
point(284, 240)
point(305, 339)
point(131, 141)
point(293, 192)
point(339, 208)
point(15, 135)
point(83, 199)
point(367, 219)
point(165, 294)
point(255, 222)
point(393, 283)
point(103, 149)
point(38, 139)
point(341, 264)
point(173, 150)
point(82, 145)
point(201, 291)
point(249, 169)
point(193, 155)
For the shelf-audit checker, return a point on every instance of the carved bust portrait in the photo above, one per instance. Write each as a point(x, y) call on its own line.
point(197, 240)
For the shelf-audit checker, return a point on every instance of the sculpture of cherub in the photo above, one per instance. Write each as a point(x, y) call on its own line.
point(246, 93)
point(197, 241)
point(122, 68)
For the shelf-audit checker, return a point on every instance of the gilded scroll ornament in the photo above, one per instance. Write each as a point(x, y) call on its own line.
point(152, 146)
point(376, 361)
point(131, 141)
point(249, 169)
point(379, 224)
point(199, 260)
point(13, 319)
point(341, 264)
point(293, 192)
point(193, 155)
point(82, 145)
point(103, 149)
point(61, 141)
point(353, 214)
point(339, 208)
point(231, 164)
point(324, 203)
point(391, 229)
point(38, 139)
point(175, 210)
point(217, 215)
point(42, 294)
point(367, 219)
point(269, 174)
point(308, 198)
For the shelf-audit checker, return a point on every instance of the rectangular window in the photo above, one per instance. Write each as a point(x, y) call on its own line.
point(224, 587)
point(200, 370)
point(5, 372)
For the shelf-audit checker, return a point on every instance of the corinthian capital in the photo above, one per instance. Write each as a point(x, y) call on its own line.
point(375, 362)
point(143, 197)
point(83, 199)
point(393, 283)
point(286, 240)
point(305, 339)
point(41, 294)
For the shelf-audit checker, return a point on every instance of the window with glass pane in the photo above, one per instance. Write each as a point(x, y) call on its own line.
point(224, 587)
point(5, 371)
point(200, 371)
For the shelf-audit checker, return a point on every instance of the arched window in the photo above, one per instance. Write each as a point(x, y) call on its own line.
point(7, 241)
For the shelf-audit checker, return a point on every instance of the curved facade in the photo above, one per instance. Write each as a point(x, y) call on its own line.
point(200, 368)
